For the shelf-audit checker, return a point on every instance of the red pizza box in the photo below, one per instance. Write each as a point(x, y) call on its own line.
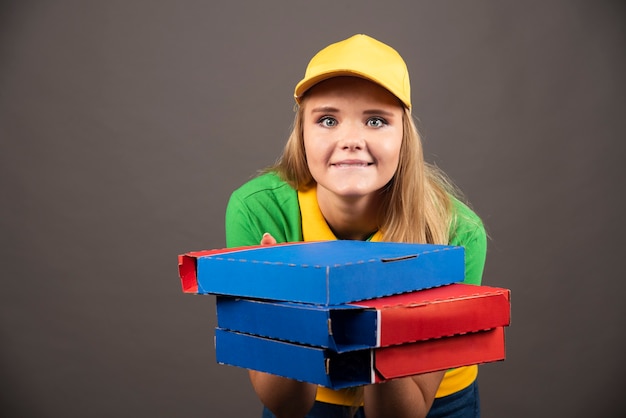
point(354, 368)
point(421, 315)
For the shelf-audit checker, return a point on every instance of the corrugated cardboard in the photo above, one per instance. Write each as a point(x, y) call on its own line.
point(325, 273)
point(354, 368)
point(426, 314)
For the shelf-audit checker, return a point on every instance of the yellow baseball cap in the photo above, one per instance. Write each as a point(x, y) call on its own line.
point(360, 56)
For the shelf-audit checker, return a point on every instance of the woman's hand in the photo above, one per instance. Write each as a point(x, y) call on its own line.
point(267, 239)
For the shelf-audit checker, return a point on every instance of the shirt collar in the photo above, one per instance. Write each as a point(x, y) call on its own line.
point(314, 226)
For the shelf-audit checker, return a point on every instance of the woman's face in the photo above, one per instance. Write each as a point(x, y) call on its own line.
point(352, 136)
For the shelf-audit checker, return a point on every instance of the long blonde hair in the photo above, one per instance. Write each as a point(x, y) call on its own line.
point(416, 202)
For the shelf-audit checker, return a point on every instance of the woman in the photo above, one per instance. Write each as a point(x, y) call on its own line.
point(353, 168)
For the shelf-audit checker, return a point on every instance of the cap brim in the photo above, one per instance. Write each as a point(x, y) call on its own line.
point(305, 85)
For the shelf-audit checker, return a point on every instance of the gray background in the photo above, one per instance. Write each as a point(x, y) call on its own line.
point(125, 125)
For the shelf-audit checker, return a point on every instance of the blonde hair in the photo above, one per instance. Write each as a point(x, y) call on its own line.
point(416, 205)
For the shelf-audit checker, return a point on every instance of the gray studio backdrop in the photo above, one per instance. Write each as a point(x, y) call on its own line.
point(125, 125)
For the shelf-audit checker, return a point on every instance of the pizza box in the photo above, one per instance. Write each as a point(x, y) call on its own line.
point(431, 313)
point(354, 368)
point(322, 272)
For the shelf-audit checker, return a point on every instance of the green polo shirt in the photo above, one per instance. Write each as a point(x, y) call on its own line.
point(268, 204)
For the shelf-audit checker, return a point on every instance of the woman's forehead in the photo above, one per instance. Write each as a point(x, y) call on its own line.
point(346, 87)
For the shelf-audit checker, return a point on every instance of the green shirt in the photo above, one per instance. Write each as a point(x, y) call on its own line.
point(269, 204)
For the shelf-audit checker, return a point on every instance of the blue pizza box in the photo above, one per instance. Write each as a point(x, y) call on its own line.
point(355, 368)
point(338, 327)
point(323, 272)
point(430, 313)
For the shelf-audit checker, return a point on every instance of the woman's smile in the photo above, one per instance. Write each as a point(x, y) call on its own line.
point(351, 164)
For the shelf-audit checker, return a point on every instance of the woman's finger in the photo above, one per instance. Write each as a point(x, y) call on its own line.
point(268, 239)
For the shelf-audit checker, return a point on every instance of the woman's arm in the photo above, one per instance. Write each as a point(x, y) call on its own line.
point(406, 397)
point(285, 397)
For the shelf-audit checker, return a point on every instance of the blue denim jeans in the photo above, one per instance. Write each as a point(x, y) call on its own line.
point(462, 404)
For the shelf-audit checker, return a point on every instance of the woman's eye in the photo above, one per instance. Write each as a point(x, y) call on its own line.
point(376, 122)
point(328, 121)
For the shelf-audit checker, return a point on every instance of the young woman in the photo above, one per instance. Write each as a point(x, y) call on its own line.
point(353, 168)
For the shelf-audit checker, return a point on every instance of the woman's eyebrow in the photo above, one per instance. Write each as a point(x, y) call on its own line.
point(325, 109)
point(378, 112)
point(331, 109)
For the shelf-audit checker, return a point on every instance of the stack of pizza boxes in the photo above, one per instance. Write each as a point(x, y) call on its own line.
point(348, 313)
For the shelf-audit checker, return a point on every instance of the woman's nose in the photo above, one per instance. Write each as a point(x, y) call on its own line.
point(352, 138)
